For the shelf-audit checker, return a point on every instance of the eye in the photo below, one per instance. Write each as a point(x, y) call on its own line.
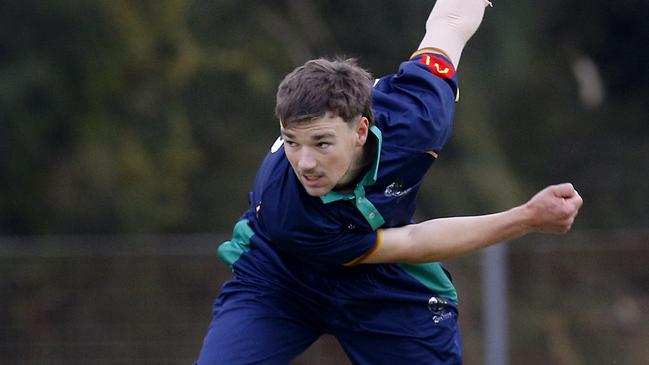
point(290, 143)
point(324, 145)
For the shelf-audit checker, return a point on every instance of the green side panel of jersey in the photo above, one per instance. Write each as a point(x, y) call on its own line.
point(433, 277)
point(230, 251)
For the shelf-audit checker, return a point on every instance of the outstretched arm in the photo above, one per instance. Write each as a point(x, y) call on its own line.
point(451, 24)
point(552, 210)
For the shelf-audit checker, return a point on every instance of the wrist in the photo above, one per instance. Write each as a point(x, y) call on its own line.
point(523, 218)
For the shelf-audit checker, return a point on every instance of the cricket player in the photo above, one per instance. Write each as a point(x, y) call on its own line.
point(328, 244)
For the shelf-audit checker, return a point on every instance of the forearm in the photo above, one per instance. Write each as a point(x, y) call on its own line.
point(444, 238)
point(551, 210)
point(451, 24)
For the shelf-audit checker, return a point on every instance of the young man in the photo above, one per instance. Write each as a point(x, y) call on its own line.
point(328, 244)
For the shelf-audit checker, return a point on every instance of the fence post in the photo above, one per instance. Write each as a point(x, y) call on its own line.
point(495, 305)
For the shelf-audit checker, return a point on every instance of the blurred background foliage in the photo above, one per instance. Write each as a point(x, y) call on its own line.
point(151, 116)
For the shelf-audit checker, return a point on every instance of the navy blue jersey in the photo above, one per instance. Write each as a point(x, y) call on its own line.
point(286, 228)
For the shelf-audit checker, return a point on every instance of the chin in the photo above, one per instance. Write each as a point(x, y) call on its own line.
point(317, 192)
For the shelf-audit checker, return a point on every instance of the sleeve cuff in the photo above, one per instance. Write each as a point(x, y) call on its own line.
point(363, 257)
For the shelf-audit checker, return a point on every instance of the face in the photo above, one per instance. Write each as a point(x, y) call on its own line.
point(325, 153)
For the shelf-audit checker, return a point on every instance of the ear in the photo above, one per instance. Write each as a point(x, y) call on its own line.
point(362, 130)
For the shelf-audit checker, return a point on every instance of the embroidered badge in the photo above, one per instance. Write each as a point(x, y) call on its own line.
point(440, 309)
point(396, 189)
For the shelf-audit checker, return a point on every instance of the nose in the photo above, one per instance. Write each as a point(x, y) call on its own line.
point(306, 161)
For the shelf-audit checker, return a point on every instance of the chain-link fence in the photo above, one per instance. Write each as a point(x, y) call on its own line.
point(575, 299)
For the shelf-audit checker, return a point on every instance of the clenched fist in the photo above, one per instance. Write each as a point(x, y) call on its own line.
point(553, 209)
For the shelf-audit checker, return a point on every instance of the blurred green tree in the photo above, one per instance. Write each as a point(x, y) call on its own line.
point(96, 137)
point(151, 116)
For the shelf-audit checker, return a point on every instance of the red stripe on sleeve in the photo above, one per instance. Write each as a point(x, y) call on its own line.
point(438, 66)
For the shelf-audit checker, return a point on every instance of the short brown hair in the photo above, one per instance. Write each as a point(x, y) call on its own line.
point(338, 86)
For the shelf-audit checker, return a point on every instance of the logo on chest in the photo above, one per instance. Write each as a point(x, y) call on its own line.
point(396, 189)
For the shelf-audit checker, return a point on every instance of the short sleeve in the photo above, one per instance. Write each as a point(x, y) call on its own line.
point(414, 107)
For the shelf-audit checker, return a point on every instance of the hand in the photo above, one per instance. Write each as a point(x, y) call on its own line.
point(553, 209)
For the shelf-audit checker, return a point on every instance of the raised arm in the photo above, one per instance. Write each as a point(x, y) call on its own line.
point(552, 210)
point(451, 24)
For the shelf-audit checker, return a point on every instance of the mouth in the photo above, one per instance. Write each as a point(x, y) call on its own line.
point(311, 180)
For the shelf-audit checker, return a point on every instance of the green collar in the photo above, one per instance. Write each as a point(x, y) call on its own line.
point(366, 207)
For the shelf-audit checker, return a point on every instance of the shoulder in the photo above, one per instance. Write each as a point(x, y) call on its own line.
point(414, 107)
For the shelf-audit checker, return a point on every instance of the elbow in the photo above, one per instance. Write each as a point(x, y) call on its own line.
point(419, 247)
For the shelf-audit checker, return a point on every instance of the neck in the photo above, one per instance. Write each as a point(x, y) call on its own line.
point(358, 169)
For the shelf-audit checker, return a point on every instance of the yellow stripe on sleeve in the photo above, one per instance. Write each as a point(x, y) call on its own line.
point(430, 50)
